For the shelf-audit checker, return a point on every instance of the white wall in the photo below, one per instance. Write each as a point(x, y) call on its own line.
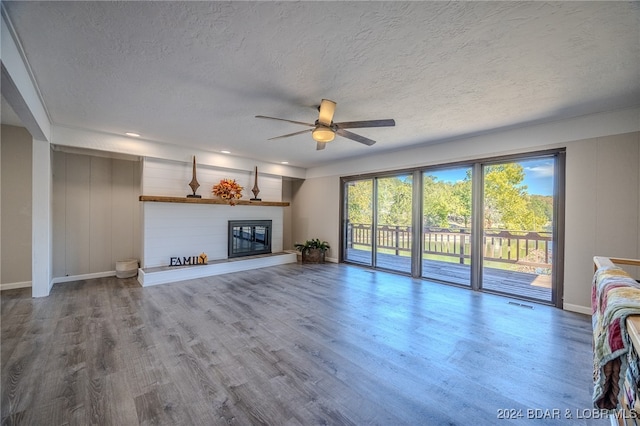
point(15, 233)
point(18, 86)
point(104, 142)
point(96, 214)
point(171, 179)
point(603, 201)
point(41, 224)
point(177, 230)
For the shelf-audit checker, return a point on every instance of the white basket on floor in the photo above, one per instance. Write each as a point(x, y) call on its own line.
point(127, 268)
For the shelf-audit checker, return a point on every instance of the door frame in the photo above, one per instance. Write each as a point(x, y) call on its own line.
point(477, 220)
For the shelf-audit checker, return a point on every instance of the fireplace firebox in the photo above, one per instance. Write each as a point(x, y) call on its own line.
point(249, 237)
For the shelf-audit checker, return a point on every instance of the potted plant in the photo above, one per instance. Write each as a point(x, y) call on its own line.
point(313, 251)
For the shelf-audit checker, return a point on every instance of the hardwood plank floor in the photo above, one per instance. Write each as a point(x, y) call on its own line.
point(288, 345)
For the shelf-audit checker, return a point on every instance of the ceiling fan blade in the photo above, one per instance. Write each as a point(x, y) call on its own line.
point(327, 108)
point(291, 134)
point(284, 119)
point(320, 146)
point(367, 123)
point(347, 134)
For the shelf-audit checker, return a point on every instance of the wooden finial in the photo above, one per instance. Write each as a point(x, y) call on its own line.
point(194, 182)
point(255, 189)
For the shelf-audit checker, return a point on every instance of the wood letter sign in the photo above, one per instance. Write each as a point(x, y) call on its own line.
point(188, 260)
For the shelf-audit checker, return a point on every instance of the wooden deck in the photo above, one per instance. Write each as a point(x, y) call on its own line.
point(520, 284)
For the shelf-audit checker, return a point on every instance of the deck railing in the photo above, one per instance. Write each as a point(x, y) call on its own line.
point(526, 248)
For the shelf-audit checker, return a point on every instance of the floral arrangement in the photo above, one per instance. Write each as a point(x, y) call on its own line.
point(228, 189)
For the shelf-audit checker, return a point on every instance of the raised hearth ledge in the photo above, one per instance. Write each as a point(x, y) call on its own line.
point(168, 274)
point(161, 199)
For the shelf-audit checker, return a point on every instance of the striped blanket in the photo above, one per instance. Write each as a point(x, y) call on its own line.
point(615, 296)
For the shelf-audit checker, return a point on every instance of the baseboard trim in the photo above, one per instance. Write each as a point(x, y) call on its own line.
point(11, 286)
point(70, 278)
point(577, 308)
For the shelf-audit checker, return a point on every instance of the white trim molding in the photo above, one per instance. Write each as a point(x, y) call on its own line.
point(577, 308)
point(11, 286)
point(70, 278)
point(19, 86)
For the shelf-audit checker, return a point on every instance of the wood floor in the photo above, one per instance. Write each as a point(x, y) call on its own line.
point(288, 345)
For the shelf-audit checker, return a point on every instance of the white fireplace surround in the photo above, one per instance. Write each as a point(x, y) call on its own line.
point(185, 229)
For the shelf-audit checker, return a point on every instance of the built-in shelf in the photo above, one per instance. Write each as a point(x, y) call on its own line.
point(161, 199)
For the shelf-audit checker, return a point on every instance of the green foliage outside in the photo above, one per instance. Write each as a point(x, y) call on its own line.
point(507, 203)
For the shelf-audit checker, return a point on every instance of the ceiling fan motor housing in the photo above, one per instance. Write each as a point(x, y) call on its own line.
point(325, 130)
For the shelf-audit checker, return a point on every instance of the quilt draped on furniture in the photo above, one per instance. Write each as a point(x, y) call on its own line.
point(615, 296)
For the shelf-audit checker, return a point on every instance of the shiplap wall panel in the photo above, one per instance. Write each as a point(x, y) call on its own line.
point(171, 179)
point(58, 213)
point(125, 206)
point(96, 213)
point(178, 230)
point(100, 223)
point(78, 214)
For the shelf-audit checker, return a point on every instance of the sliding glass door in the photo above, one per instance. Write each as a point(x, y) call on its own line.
point(378, 222)
point(393, 223)
point(491, 225)
point(518, 209)
point(358, 221)
point(446, 225)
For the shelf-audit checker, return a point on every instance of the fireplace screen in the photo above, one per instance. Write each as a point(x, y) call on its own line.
point(249, 237)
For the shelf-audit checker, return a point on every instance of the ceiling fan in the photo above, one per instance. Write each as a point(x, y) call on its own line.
point(325, 130)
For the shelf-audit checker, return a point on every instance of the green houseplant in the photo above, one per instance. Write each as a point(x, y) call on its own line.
point(313, 250)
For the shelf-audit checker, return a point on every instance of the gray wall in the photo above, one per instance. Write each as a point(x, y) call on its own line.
point(316, 207)
point(602, 208)
point(96, 213)
point(15, 232)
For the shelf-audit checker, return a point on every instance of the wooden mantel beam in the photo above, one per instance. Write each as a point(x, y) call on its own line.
point(161, 199)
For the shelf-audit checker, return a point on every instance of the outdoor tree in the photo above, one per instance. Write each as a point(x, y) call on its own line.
point(542, 206)
point(359, 195)
point(507, 203)
point(442, 205)
point(461, 193)
point(394, 201)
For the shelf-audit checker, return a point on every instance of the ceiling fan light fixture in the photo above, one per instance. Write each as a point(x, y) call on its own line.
point(323, 134)
point(324, 129)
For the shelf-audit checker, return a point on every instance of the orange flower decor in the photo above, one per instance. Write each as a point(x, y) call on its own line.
point(228, 189)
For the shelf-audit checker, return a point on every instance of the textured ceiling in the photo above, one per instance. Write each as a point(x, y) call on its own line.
point(196, 73)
